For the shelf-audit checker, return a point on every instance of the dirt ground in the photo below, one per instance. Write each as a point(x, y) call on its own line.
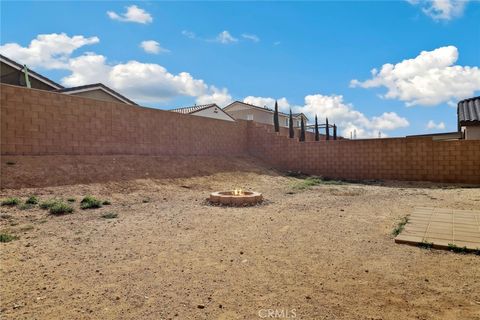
point(46, 171)
point(324, 252)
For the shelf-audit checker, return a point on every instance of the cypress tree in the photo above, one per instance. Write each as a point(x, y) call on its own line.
point(317, 135)
point(276, 123)
point(328, 130)
point(334, 131)
point(302, 130)
point(290, 125)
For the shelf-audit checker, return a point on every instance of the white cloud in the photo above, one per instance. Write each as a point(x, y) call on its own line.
point(152, 46)
point(225, 37)
point(347, 118)
point(283, 104)
point(189, 34)
point(214, 95)
point(85, 69)
point(251, 37)
point(142, 82)
point(441, 9)
point(151, 82)
point(429, 79)
point(49, 51)
point(133, 14)
point(337, 111)
point(431, 125)
point(388, 121)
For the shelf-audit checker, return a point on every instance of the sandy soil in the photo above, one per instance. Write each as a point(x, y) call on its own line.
point(322, 253)
point(46, 171)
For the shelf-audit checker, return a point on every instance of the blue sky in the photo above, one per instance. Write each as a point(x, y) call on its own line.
point(304, 53)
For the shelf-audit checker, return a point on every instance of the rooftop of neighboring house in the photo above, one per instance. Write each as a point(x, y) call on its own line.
point(52, 85)
point(195, 108)
point(439, 136)
point(468, 111)
point(38, 81)
point(198, 108)
point(265, 108)
point(97, 86)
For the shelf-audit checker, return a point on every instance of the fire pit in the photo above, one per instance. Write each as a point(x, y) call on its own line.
point(236, 198)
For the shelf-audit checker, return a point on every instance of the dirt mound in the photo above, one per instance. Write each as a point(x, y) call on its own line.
point(41, 171)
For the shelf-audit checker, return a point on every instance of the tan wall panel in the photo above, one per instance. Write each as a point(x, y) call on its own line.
point(98, 95)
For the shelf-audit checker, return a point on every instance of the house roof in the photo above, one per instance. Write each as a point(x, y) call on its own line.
point(295, 115)
point(31, 73)
point(454, 134)
point(197, 108)
point(59, 88)
point(192, 109)
point(468, 111)
point(97, 86)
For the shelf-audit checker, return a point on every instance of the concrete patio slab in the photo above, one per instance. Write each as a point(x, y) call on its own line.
point(441, 227)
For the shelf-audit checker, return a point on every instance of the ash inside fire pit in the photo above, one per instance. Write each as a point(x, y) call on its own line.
point(236, 198)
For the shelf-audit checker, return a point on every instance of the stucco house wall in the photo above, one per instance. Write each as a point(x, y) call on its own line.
point(97, 95)
point(471, 132)
point(242, 111)
point(213, 112)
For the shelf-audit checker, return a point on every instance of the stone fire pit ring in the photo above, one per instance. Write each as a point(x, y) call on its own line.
point(230, 198)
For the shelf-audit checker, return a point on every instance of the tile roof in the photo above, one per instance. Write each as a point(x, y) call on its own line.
point(95, 86)
point(196, 108)
point(192, 109)
point(468, 111)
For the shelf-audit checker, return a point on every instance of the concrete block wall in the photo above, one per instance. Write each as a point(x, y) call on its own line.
point(35, 122)
point(309, 135)
point(415, 159)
